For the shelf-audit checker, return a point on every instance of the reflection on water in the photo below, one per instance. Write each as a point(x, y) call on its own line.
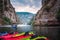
point(43, 30)
point(24, 28)
point(6, 29)
point(52, 32)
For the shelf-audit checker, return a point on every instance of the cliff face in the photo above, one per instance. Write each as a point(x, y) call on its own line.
point(48, 14)
point(7, 13)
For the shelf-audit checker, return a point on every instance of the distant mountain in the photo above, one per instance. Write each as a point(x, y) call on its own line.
point(25, 17)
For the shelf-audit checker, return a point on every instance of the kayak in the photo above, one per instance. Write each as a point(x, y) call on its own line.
point(23, 36)
point(20, 36)
point(37, 38)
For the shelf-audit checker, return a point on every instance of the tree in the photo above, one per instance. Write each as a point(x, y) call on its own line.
point(31, 21)
point(58, 16)
point(7, 20)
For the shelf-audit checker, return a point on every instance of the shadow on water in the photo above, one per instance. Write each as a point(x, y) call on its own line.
point(52, 32)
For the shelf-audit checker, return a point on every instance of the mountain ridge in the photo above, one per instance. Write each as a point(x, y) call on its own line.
point(25, 17)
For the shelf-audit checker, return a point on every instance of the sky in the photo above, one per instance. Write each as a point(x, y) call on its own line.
point(31, 6)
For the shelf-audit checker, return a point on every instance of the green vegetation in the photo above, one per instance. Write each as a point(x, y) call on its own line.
point(46, 24)
point(1, 8)
point(1, 4)
point(47, 8)
point(31, 22)
point(58, 15)
point(6, 29)
point(46, 2)
point(7, 20)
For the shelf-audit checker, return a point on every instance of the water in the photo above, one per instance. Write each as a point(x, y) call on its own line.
point(52, 32)
point(24, 28)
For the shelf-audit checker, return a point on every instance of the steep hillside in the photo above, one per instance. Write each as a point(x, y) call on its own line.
point(7, 13)
point(25, 17)
point(49, 14)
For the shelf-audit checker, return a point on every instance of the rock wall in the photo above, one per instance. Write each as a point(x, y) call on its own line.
point(7, 13)
point(47, 15)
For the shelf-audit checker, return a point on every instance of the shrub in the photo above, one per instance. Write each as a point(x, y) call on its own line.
point(7, 20)
point(58, 15)
point(47, 8)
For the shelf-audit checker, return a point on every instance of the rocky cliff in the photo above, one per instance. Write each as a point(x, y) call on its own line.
point(7, 13)
point(49, 14)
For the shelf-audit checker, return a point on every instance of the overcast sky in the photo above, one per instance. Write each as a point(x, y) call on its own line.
point(26, 5)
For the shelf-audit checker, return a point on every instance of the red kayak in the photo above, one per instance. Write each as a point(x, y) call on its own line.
point(14, 37)
point(17, 38)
